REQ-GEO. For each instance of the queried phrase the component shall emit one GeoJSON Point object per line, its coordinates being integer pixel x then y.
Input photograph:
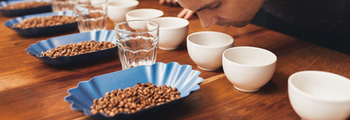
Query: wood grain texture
{"type": "Point", "coordinates": [32, 89]}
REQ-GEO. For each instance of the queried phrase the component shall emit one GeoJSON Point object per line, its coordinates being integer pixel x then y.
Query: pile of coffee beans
{"type": "Point", "coordinates": [25, 5]}
{"type": "Point", "coordinates": [132, 99]}
{"type": "Point", "coordinates": [77, 48]}
{"type": "Point", "coordinates": [37, 22]}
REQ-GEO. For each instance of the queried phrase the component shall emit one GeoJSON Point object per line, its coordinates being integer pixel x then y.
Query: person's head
{"type": "Point", "coordinates": [236, 13]}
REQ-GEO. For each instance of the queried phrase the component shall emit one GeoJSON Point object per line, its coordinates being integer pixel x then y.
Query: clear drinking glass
{"type": "Point", "coordinates": [91, 14]}
{"type": "Point", "coordinates": [62, 5]}
{"type": "Point", "coordinates": [137, 42]}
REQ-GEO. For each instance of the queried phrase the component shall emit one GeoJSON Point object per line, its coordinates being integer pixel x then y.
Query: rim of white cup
{"type": "Point", "coordinates": [250, 47]}
{"type": "Point", "coordinates": [186, 22]}
{"type": "Point", "coordinates": [133, 3]}
{"type": "Point", "coordinates": [160, 13]}
{"type": "Point", "coordinates": [138, 32]}
{"type": "Point", "coordinates": [205, 32]}
{"type": "Point", "coordinates": [290, 84]}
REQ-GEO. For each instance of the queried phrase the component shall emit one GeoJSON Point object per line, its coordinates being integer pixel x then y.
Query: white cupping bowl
{"type": "Point", "coordinates": [248, 68]}
{"type": "Point", "coordinates": [117, 9]}
{"type": "Point", "coordinates": [319, 95]}
{"type": "Point", "coordinates": [143, 14]}
{"type": "Point", "coordinates": [172, 31]}
{"type": "Point", "coordinates": [206, 47]}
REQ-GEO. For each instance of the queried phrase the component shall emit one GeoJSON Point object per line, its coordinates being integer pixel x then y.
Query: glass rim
{"type": "Point", "coordinates": [138, 32]}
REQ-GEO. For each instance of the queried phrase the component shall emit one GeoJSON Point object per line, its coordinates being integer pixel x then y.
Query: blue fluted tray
{"type": "Point", "coordinates": [21, 12]}
{"type": "Point", "coordinates": [41, 31]}
{"type": "Point", "coordinates": [172, 74]}
{"type": "Point", "coordinates": [44, 45]}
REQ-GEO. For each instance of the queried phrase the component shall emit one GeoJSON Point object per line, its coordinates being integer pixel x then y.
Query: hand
{"type": "Point", "coordinates": [169, 2]}
{"type": "Point", "coordinates": [186, 14]}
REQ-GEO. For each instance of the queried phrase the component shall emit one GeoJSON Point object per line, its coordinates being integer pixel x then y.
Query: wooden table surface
{"type": "Point", "coordinates": [32, 89]}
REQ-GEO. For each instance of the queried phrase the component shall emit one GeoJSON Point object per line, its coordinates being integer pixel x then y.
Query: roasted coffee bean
{"type": "Point", "coordinates": [133, 99]}
{"type": "Point", "coordinates": [77, 48]}
{"type": "Point", "coordinates": [25, 5]}
{"type": "Point", "coordinates": [37, 22]}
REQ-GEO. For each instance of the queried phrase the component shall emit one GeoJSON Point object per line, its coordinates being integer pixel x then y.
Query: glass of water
{"type": "Point", "coordinates": [137, 42]}
{"type": "Point", "coordinates": [91, 14]}
{"type": "Point", "coordinates": [62, 5]}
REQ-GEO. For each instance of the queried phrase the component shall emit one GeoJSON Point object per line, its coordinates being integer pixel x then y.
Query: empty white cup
{"type": "Point", "coordinates": [118, 8]}
{"type": "Point", "coordinates": [143, 14]}
{"type": "Point", "coordinates": [172, 32]}
{"type": "Point", "coordinates": [319, 95]}
{"type": "Point", "coordinates": [248, 68]}
{"type": "Point", "coordinates": [206, 47]}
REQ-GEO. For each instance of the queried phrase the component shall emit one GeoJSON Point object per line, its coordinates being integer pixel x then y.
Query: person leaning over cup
{"type": "Point", "coordinates": [321, 22]}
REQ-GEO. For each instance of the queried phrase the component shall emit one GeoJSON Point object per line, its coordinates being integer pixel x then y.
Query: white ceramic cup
{"type": "Point", "coordinates": [172, 32]}
{"type": "Point", "coordinates": [319, 95]}
{"type": "Point", "coordinates": [118, 9]}
{"type": "Point", "coordinates": [248, 68]}
{"type": "Point", "coordinates": [143, 14]}
{"type": "Point", "coordinates": [206, 47]}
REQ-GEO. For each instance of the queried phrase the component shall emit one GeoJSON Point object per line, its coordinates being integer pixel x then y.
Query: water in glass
{"type": "Point", "coordinates": [137, 51]}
